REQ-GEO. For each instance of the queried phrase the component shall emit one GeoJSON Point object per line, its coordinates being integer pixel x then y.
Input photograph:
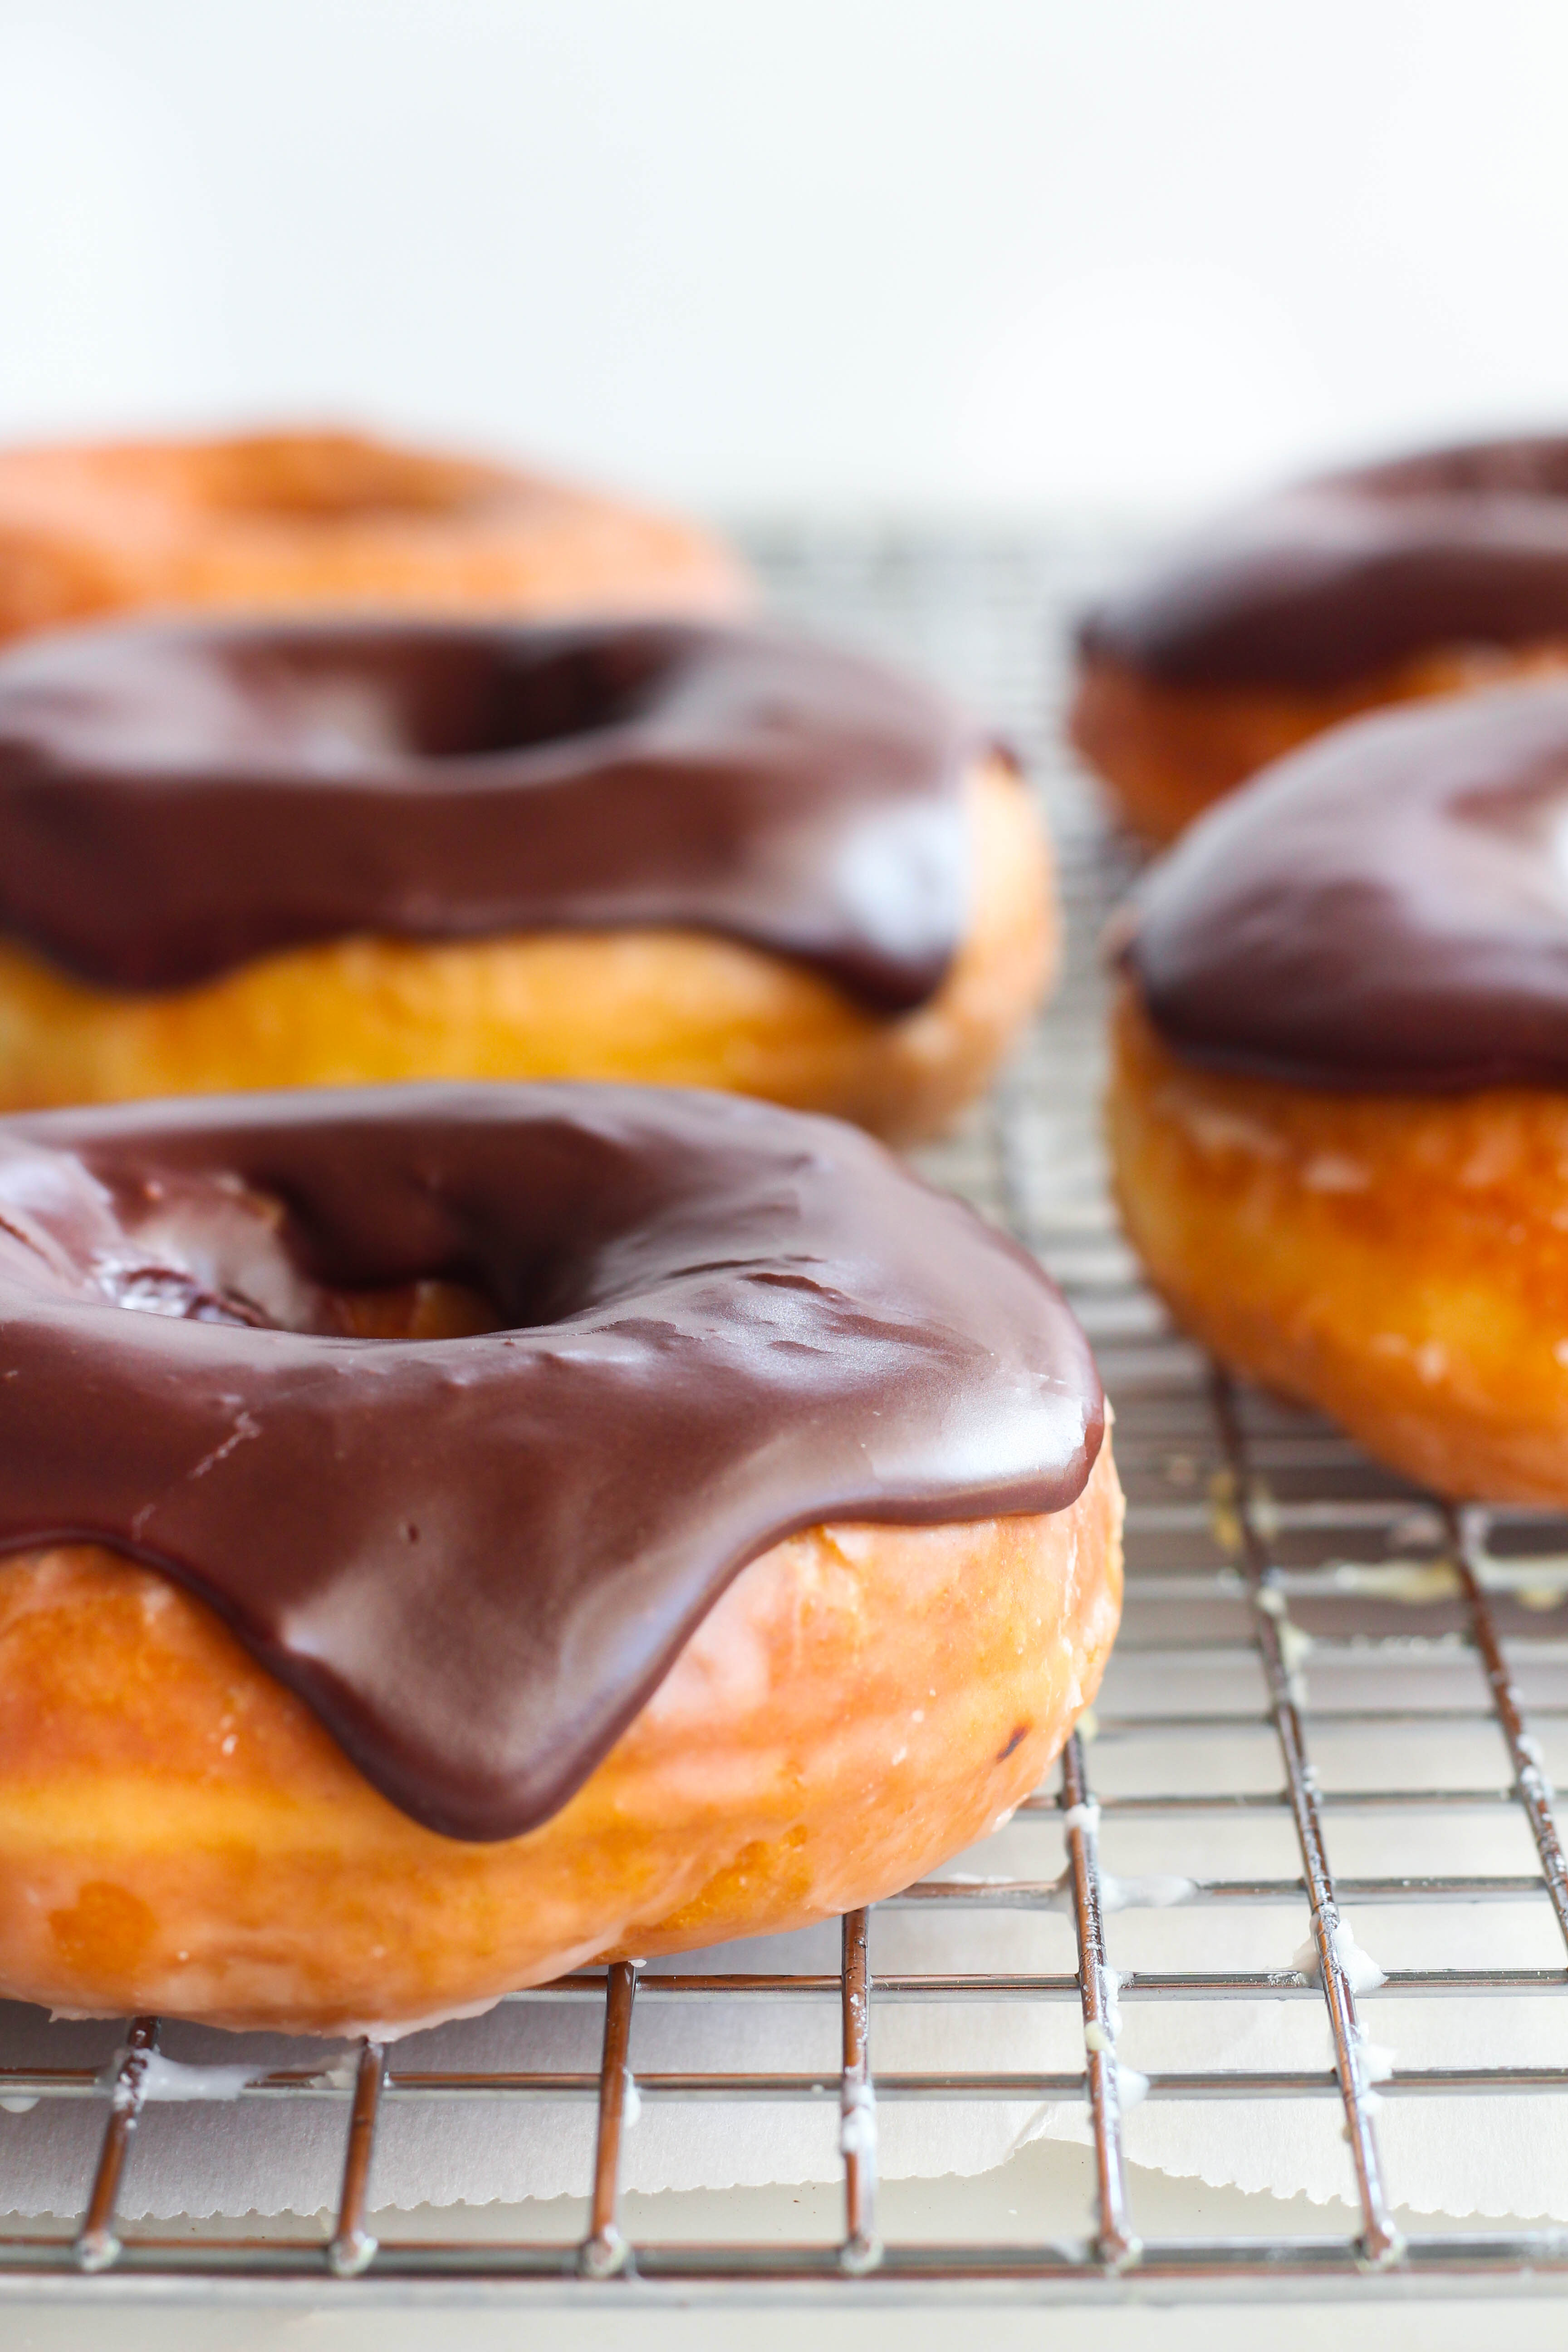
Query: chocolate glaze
{"type": "Point", "coordinates": [1387, 909]}
{"type": "Point", "coordinates": [176, 798]}
{"type": "Point", "coordinates": [1342, 578]}
{"type": "Point", "coordinates": [474, 1559]}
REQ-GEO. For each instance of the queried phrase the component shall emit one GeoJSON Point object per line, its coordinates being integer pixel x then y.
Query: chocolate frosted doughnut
{"type": "Point", "coordinates": [1340, 1109]}
{"type": "Point", "coordinates": [475, 1559]}
{"type": "Point", "coordinates": [332, 522]}
{"type": "Point", "coordinates": [220, 819]}
{"type": "Point", "coordinates": [1385, 910]}
{"type": "Point", "coordinates": [1374, 585]}
{"type": "Point", "coordinates": [176, 799]}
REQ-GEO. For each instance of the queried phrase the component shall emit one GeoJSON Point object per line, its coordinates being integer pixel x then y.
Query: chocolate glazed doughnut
{"type": "Point", "coordinates": [247, 855]}
{"type": "Point", "coordinates": [1428, 575]}
{"type": "Point", "coordinates": [1340, 1108]}
{"type": "Point", "coordinates": [295, 522]}
{"type": "Point", "coordinates": [510, 1525]}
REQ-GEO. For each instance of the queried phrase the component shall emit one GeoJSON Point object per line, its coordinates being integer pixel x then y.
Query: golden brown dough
{"type": "Point", "coordinates": [292, 521]}
{"type": "Point", "coordinates": [1399, 1262]}
{"type": "Point", "coordinates": [178, 1833]}
{"type": "Point", "coordinates": [1168, 750]}
{"type": "Point", "coordinates": [675, 1008]}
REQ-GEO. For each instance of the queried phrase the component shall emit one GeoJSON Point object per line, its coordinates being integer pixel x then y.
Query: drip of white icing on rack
{"type": "Point", "coordinates": [160, 2080]}
{"type": "Point", "coordinates": [1157, 1891]}
{"type": "Point", "coordinates": [858, 2120]}
{"type": "Point", "coordinates": [1359, 1968]}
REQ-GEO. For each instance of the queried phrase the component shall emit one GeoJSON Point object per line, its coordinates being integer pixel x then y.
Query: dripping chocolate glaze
{"type": "Point", "coordinates": [1342, 578]}
{"type": "Point", "coordinates": [1387, 909]}
{"type": "Point", "coordinates": [176, 798]}
{"type": "Point", "coordinates": [474, 1559]}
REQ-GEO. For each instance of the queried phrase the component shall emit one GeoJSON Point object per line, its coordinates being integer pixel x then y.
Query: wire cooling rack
{"type": "Point", "coordinates": [1339, 1612]}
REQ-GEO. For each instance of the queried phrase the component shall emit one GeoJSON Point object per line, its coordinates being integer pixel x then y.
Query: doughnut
{"type": "Point", "coordinates": [335, 521]}
{"type": "Point", "coordinates": [1339, 1102]}
{"type": "Point", "coordinates": [454, 1534]}
{"type": "Point", "coordinates": [241, 855]}
{"type": "Point", "coordinates": [1433, 574]}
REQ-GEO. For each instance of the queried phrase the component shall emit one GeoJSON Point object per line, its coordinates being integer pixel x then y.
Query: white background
{"type": "Point", "coordinates": [927, 254]}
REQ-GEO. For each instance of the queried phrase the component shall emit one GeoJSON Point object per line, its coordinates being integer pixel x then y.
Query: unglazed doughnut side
{"type": "Point", "coordinates": [1400, 1262]}
{"type": "Point", "coordinates": [178, 1833]}
{"type": "Point", "coordinates": [660, 1007]}
{"type": "Point", "coordinates": [1168, 750]}
{"type": "Point", "coordinates": [295, 521]}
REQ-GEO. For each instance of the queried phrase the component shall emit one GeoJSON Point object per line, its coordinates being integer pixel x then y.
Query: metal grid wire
{"type": "Point", "coordinates": [1258, 1542]}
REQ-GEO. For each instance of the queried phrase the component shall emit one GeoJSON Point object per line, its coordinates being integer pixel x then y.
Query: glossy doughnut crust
{"type": "Point", "coordinates": [178, 1833]}
{"type": "Point", "coordinates": [291, 521]}
{"type": "Point", "coordinates": [1400, 1262]}
{"type": "Point", "coordinates": [1432, 575]}
{"type": "Point", "coordinates": [662, 1007]}
{"type": "Point", "coordinates": [1169, 750]}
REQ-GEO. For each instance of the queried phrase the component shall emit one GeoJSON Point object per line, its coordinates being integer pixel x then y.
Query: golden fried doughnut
{"type": "Point", "coordinates": [1433, 574]}
{"type": "Point", "coordinates": [261, 856]}
{"type": "Point", "coordinates": [288, 521]}
{"type": "Point", "coordinates": [1339, 1105]}
{"type": "Point", "coordinates": [499, 1702]}
{"type": "Point", "coordinates": [666, 1008]}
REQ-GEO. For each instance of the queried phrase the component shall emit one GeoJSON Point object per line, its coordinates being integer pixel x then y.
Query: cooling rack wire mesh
{"type": "Point", "coordinates": [1338, 1612]}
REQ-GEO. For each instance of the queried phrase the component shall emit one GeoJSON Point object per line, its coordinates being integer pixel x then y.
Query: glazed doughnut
{"type": "Point", "coordinates": [333, 522]}
{"type": "Point", "coordinates": [247, 855]}
{"type": "Point", "coordinates": [1433, 574]}
{"type": "Point", "coordinates": [1339, 1105]}
{"type": "Point", "coordinates": [735, 1540]}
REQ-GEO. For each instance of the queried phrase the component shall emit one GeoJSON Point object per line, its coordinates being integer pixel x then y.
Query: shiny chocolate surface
{"type": "Point", "coordinates": [1386, 908]}
{"type": "Point", "coordinates": [715, 1323]}
{"type": "Point", "coordinates": [1338, 580]}
{"type": "Point", "coordinates": [177, 798]}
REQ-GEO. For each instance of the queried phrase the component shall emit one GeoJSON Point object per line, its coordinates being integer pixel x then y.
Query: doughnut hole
{"type": "Point", "coordinates": [221, 1253]}
{"type": "Point", "coordinates": [1399, 1262]}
